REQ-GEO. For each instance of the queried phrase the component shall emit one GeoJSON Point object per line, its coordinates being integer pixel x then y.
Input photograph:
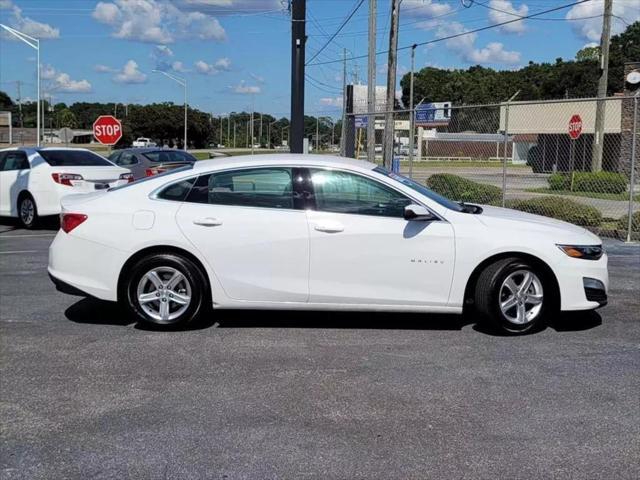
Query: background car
{"type": "Point", "coordinates": [142, 142]}
{"type": "Point", "coordinates": [33, 180]}
{"type": "Point", "coordinates": [146, 162]}
{"type": "Point", "coordinates": [318, 233]}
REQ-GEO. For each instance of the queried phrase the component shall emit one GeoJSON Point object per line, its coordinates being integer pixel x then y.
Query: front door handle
{"type": "Point", "coordinates": [329, 227]}
{"type": "Point", "coordinates": [207, 222]}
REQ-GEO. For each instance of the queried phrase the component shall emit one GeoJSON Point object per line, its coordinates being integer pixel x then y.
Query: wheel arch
{"type": "Point", "coordinates": [536, 261]}
{"type": "Point", "coordinates": [160, 249]}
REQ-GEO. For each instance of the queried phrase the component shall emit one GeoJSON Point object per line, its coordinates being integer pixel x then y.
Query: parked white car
{"type": "Point", "coordinates": [33, 180]}
{"type": "Point", "coordinates": [316, 232]}
{"type": "Point", "coordinates": [142, 142]}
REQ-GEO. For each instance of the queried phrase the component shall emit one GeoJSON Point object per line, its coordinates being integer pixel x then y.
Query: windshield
{"type": "Point", "coordinates": [439, 199]}
{"type": "Point", "coordinates": [74, 158]}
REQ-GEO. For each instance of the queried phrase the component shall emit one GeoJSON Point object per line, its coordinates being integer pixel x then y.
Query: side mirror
{"type": "Point", "coordinates": [418, 212]}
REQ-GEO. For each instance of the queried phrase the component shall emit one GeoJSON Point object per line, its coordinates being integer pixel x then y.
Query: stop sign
{"type": "Point", "coordinates": [575, 126]}
{"type": "Point", "coordinates": [107, 129]}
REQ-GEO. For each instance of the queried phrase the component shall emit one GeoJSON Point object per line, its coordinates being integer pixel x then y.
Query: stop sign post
{"type": "Point", "coordinates": [107, 130]}
{"type": "Point", "coordinates": [575, 130]}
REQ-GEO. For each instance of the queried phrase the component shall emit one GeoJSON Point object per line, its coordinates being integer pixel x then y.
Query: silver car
{"type": "Point", "coordinates": [146, 162]}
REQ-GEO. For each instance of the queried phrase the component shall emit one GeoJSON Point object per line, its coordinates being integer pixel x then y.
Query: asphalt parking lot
{"type": "Point", "coordinates": [86, 393]}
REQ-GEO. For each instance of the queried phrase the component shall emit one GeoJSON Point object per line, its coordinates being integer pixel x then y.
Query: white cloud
{"type": "Point", "coordinates": [162, 51]}
{"type": "Point", "coordinates": [220, 65]}
{"type": "Point", "coordinates": [27, 25]}
{"type": "Point", "coordinates": [61, 82]}
{"type": "Point", "coordinates": [99, 68]}
{"type": "Point", "coordinates": [64, 83]}
{"type": "Point", "coordinates": [504, 12]}
{"type": "Point", "coordinates": [156, 21]}
{"type": "Point", "coordinates": [331, 101]}
{"type": "Point", "coordinates": [222, 7]}
{"type": "Point", "coordinates": [179, 67]}
{"type": "Point", "coordinates": [590, 29]}
{"type": "Point", "coordinates": [424, 8]}
{"type": "Point", "coordinates": [244, 89]}
{"type": "Point", "coordinates": [465, 46]}
{"type": "Point", "coordinates": [130, 74]}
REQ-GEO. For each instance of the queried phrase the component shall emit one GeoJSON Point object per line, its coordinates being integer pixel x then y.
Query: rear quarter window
{"type": "Point", "coordinates": [74, 158]}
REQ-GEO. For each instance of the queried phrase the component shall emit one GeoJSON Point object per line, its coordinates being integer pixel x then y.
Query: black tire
{"type": "Point", "coordinates": [489, 289]}
{"type": "Point", "coordinates": [28, 211]}
{"type": "Point", "coordinates": [196, 290]}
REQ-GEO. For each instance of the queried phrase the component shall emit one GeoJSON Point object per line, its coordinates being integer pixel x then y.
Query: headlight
{"type": "Point", "coordinates": [586, 252]}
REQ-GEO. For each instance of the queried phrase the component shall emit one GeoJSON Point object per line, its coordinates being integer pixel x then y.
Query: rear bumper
{"type": "Point", "coordinates": [67, 288]}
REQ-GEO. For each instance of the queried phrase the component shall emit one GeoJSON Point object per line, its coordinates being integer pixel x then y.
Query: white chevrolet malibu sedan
{"type": "Point", "coordinates": [318, 233]}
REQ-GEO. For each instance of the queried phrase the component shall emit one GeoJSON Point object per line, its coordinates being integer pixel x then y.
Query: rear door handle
{"type": "Point", "coordinates": [329, 227]}
{"type": "Point", "coordinates": [207, 222]}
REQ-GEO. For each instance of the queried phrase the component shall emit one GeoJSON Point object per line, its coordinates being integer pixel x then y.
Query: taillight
{"type": "Point", "coordinates": [69, 221]}
{"type": "Point", "coordinates": [65, 178]}
{"type": "Point", "coordinates": [127, 176]}
{"type": "Point", "coordinates": [150, 172]}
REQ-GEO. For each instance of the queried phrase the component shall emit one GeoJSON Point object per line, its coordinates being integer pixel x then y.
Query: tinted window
{"type": "Point", "coordinates": [177, 191]}
{"type": "Point", "coordinates": [127, 159]}
{"type": "Point", "coordinates": [167, 156]}
{"type": "Point", "coordinates": [258, 187]}
{"type": "Point", "coordinates": [73, 158]}
{"type": "Point", "coordinates": [344, 192]}
{"type": "Point", "coordinates": [14, 161]}
{"type": "Point", "coordinates": [445, 202]}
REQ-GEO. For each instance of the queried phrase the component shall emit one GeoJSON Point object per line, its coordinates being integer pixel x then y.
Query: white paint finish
{"type": "Point", "coordinates": [143, 219]}
{"type": "Point", "coordinates": [379, 260]}
{"type": "Point", "coordinates": [276, 258]}
{"type": "Point", "coordinates": [258, 254]}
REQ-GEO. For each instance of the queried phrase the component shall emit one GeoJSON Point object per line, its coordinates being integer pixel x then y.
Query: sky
{"type": "Point", "coordinates": [235, 54]}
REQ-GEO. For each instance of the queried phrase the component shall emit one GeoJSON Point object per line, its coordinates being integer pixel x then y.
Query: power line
{"type": "Point", "coordinates": [449, 37]}
{"type": "Point", "coordinates": [346, 20]}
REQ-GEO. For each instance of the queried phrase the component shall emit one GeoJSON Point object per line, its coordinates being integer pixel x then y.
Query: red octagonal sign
{"type": "Point", "coordinates": [107, 129]}
{"type": "Point", "coordinates": [575, 126]}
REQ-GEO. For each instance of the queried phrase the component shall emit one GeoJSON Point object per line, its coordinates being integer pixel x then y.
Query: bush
{"type": "Point", "coordinates": [595, 182]}
{"type": "Point", "coordinates": [623, 223]}
{"type": "Point", "coordinates": [561, 208]}
{"type": "Point", "coordinates": [559, 181]}
{"type": "Point", "coordinates": [460, 189]}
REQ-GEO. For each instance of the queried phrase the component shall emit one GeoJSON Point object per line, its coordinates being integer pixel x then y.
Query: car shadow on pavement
{"type": "Point", "coordinates": [51, 223]}
{"type": "Point", "coordinates": [98, 312]}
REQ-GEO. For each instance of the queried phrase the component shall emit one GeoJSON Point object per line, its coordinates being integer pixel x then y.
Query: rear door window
{"type": "Point", "coordinates": [254, 187]}
{"type": "Point", "coordinates": [15, 160]}
{"type": "Point", "coordinates": [74, 158]}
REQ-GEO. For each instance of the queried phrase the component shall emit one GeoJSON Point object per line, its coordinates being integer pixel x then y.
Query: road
{"type": "Point", "coordinates": [88, 394]}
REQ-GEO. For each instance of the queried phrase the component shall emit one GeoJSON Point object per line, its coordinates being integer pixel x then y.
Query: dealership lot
{"type": "Point", "coordinates": [86, 393]}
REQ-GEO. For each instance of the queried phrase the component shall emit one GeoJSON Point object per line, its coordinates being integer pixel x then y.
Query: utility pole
{"type": "Point", "coordinates": [391, 85]}
{"type": "Point", "coordinates": [371, 84]}
{"type": "Point", "coordinates": [344, 102]}
{"type": "Point", "coordinates": [221, 130]}
{"type": "Point", "coordinates": [411, 112]}
{"type": "Point", "coordinates": [19, 84]}
{"type": "Point", "coordinates": [298, 40]}
{"type": "Point", "coordinates": [228, 130]}
{"type": "Point", "coordinates": [260, 136]}
{"type": "Point", "coordinates": [234, 134]}
{"type": "Point", "coordinates": [317, 134]}
{"type": "Point", "coordinates": [598, 137]}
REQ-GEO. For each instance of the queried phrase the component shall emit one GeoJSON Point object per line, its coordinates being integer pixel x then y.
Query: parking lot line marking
{"type": "Point", "coordinates": [19, 251]}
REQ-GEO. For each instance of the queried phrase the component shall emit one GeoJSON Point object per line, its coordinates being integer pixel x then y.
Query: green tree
{"type": "Point", "coordinates": [67, 119]}
{"type": "Point", "coordinates": [588, 53]}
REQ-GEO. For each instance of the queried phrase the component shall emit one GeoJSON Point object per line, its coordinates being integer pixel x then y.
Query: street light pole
{"type": "Point", "coordinates": [35, 44]}
{"type": "Point", "coordinates": [183, 82]}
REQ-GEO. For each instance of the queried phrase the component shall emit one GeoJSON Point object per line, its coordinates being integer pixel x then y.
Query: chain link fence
{"type": "Point", "coordinates": [540, 157]}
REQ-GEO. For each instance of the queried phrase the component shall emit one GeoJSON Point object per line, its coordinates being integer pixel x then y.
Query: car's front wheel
{"type": "Point", "coordinates": [166, 290]}
{"type": "Point", "coordinates": [514, 296]}
{"type": "Point", "coordinates": [27, 211]}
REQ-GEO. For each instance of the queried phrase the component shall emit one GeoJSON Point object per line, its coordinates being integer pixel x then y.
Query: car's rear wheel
{"type": "Point", "coordinates": [166, 290]}
{"type": "Point", "coordinates": [27, 211]}
{"type": "Point", "coordinates": [514, 296]}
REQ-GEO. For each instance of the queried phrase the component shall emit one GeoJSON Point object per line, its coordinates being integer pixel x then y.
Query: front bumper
{"type": "Point", "coordinates": [576, 293]}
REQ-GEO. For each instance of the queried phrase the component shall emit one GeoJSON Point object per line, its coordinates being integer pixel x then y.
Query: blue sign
{"type": "Point", "coordinates": [362, 121]}
{"type": "Point", "coordinates": [433, 114]}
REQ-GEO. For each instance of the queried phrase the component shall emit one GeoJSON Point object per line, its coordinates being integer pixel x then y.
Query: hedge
{"type": "Point", "coordinates": [623, 222]}
{"type": "Point", "coordinates": [596, 182]}
{"type": "Point", "coordinates": [461, 189]}
{"type": "Point", "coordinates": [561, 208]}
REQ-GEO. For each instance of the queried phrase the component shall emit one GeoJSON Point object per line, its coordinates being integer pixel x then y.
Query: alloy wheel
{"type": "Point", "coordinates": [164, 294]}
{"type": "Point", "coordinates": [521, 297]}
{"type": "Point", "coordinates": [27, 211]}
